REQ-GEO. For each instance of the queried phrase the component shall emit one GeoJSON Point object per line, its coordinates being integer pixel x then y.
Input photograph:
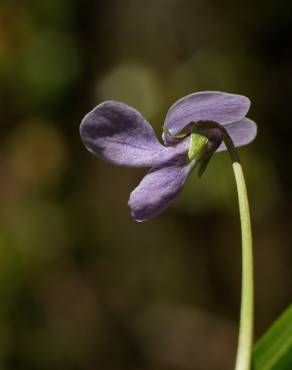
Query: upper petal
{"type": "Point", "coordinates": [159, 187]}
{"type": "Point", "coordinates": [216, 106]}
{"type": "Point", "coordinates": [241, 132]}
{"type": "Point", "coordinates": [119, 134]}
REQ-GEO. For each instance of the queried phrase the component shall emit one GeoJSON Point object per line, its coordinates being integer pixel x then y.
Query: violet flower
{"type": "Point", "coordinates": [119, 134]}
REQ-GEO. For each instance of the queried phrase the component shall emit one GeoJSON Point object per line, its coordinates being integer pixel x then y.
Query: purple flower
{"type": "Point", "coordinates": [119, 134]}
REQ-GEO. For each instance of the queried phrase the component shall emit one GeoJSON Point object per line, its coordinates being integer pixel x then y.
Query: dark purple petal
{"type": "Point", "coordinates": [241, 133]}
{"type": "Point", "coordinates": [119, 134]}
{"type": "Point", "coordinates": [159, 187]}
{"type": "Point", "coordinates": [215, 106]}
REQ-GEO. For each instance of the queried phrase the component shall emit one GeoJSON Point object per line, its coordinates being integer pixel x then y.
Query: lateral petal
{"type": "Point", "coordinates": [119, 134]}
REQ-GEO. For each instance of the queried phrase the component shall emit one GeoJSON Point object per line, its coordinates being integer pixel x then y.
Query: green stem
{"type": "Point", "coordinates": [244, 349]}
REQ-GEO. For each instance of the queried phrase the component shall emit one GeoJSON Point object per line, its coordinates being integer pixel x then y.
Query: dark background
{"type": "Point", "coordinates": [82, 286]}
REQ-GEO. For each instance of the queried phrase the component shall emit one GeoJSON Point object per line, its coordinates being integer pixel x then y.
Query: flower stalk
{"type": "Point", "coordinates": [244, 349]}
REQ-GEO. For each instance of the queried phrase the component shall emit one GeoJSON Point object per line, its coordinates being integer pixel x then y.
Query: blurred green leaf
{"type": "Point", "coordinates": [274, 350]}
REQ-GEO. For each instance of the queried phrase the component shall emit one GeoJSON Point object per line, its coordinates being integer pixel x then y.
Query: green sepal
{"type": "Point", "coordinates": [202, 165]}
{"type": "Point", "coordinates": [197, 145]}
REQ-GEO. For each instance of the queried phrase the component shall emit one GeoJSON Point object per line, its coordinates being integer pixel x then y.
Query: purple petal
{"type": "Point", "coordinates": [215, 106]}
{"type": "Point", "coordinates": [159, 187]}
{"type": "Point", "coordinates": [119, 134]}
{"type": "Point", "coordinates": [241, 133]}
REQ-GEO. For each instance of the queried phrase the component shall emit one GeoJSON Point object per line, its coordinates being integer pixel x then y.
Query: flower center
{"type": "Point", "coordinates": [205, 138]}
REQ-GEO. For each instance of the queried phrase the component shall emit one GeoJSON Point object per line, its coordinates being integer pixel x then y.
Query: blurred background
{"type": "Point", "coordinates": [82, 286]}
